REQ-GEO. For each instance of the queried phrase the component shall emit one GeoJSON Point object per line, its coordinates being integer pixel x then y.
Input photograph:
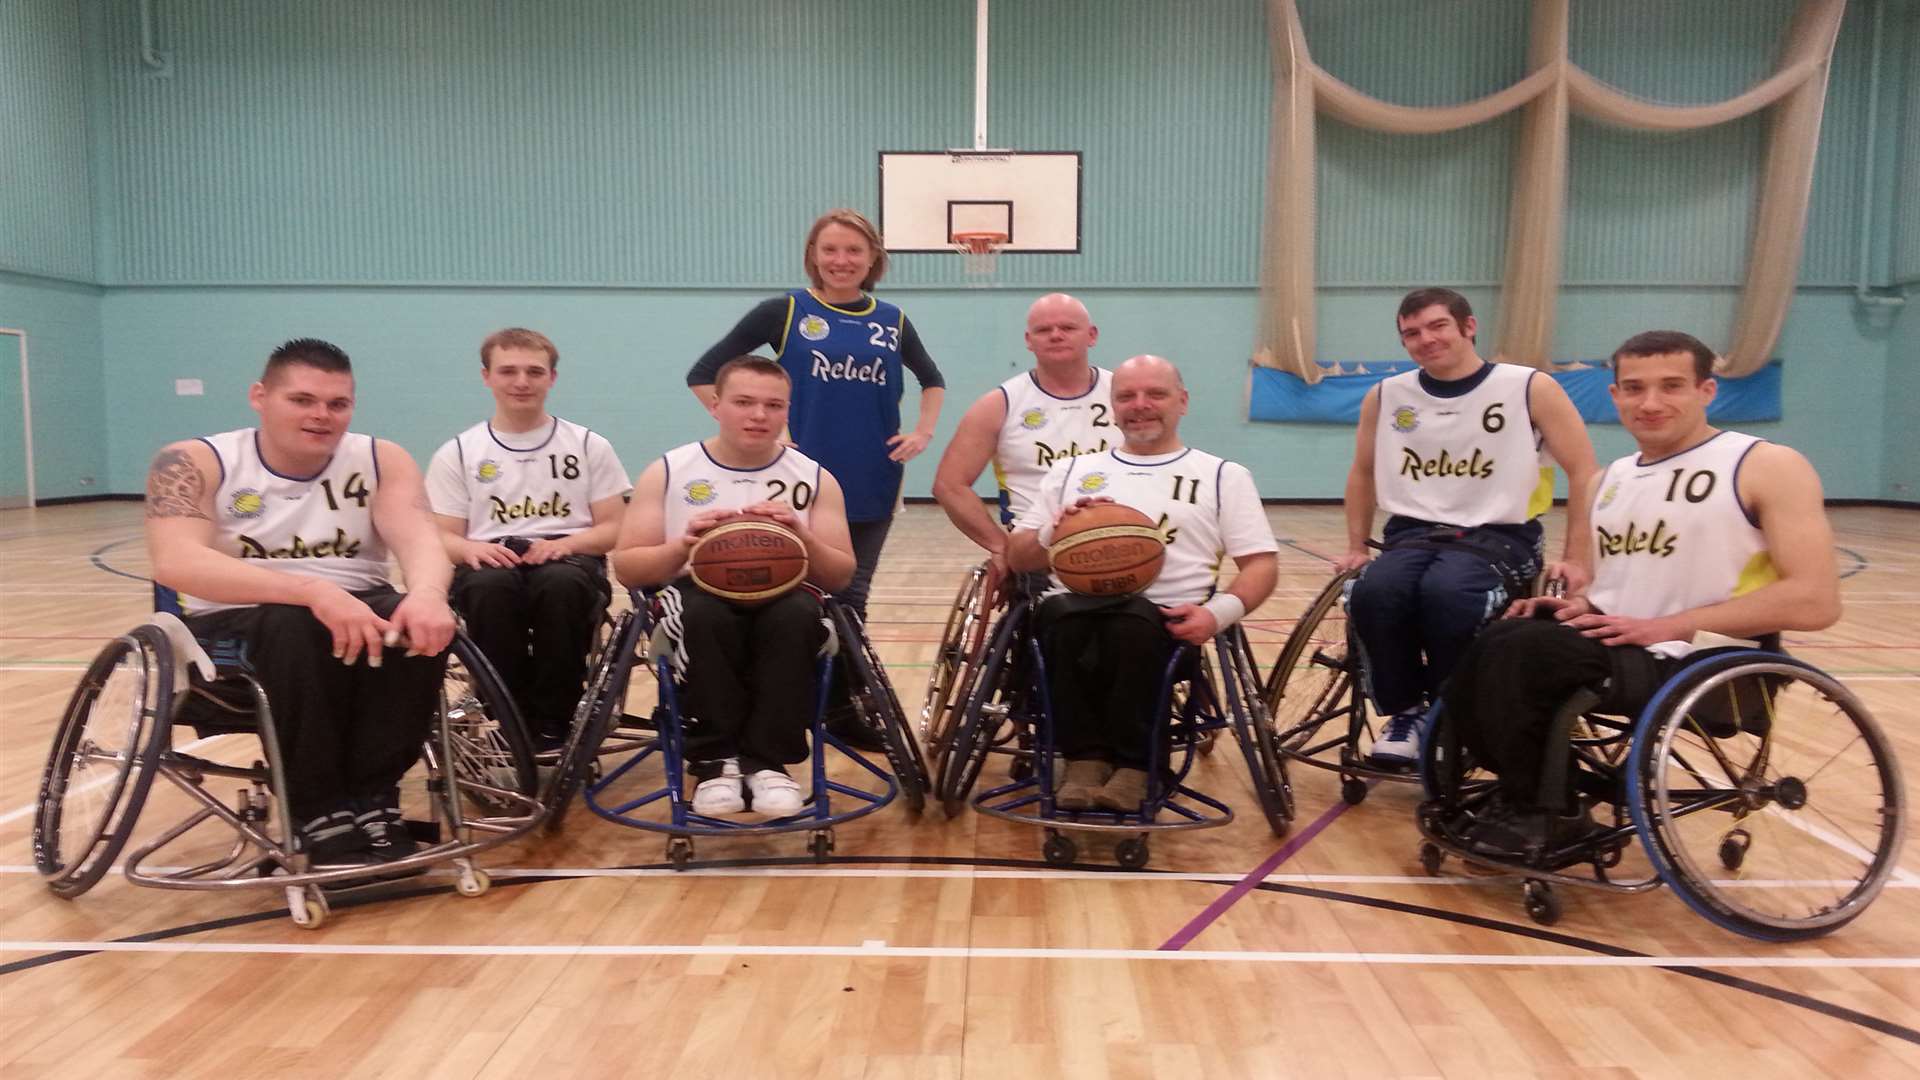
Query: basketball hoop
{"type": "Point", "coordinates": [981, 250]}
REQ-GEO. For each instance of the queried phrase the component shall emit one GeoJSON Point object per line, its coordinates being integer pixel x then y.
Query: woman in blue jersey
{"type": "Point", "coordinates": [845, 351]}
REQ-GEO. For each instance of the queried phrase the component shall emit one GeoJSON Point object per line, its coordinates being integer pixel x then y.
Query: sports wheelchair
{"type": "Point", "coordinates": [619, 796]}
{"type": "Point", "coordinates": [1760, 790]}
{"type": "Point", "coordinates": [116, 737]}
{"type": "Point", "coordinates": [1319, 678]}
{"type": "Point", "coordinates": [1203, 691]}
{"type": "Point", "coordinates": [956, 661]}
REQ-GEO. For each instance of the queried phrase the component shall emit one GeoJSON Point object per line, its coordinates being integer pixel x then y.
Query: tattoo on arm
{"type": "Point", "coordinates": [174, 487]}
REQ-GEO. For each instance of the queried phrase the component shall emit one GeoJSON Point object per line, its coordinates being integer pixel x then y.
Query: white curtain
{"type": "Point", "coordinates": [1552, 90]}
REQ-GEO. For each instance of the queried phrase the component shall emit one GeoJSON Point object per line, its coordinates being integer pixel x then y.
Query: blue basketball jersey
{"type": "Point", "coordinates": [846, 372]}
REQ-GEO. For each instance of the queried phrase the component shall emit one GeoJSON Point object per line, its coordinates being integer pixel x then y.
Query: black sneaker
{"type": "Point", "coordinates": [334, 839]}
{"type": "Point", "coordinates": [388, 836]}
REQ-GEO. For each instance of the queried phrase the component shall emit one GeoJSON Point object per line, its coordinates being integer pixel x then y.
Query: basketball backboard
{"type": "Point", "coordinates": [1031, 197]}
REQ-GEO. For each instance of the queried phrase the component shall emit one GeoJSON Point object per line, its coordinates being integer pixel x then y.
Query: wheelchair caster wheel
{"type": "Point", "coordinates": [473, 882]}
{"type": "Point", "coordinates": [1207, 743]}
{"type": "Point", "coordinates": [308, 907]}
{"type": "Point", "coordinates": [1021, 768]}
{"type": "Point", "coordinates": [1543, 906]}
{"type": "Point", "coordinates": [953, 807]}
{"type": "Point", "coordinates": [820, 845]}
{"type": "Point", "coordinates": [1058, 850]}
{"type": "Point", "coordinates": [1431, 858]}
{"type": "Point", "coordinates": [679, 852]}
{"type": "Point", "coordinates": [1733, 848]}
{"type": "Point", "coordinates": [1131, 854]}
{"type": "Point", "coordinates": [1353, 791]}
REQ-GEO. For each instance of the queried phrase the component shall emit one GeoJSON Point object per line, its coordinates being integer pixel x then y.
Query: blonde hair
{"type": "Point", "coordinates": [855, 220]}
{"type": "Point", "coordinates": [518, 337]}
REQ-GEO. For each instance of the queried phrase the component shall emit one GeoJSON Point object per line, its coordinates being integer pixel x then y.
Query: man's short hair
{"type": "Point", "coordinates": [1661, 343]}
{"type": "Point", "coordinates": [518, 337]}
{"type": "Point", "coordinates": [308, 352]}
{"type": "Point", "coordinates": [756, 365]}
{"type": "Point", "coordinates": [855, 220]}
{"type": "Point", "coordinates": [1420, 300]}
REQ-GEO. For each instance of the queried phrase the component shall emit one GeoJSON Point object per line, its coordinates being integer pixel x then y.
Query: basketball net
{"type": "Point", "coordinates": [979, 252]}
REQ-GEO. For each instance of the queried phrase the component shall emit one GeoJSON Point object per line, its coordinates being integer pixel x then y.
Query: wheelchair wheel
{"type": "Point", "coordinates": [1253, 729]}
{"type": "Point", "coordinates": [873, 697]}
{"type": "Point", "coordinates": [1314, 671]}
{"type": "Point", "coordinates": [486, 740]}
{"type": "Point", "coordinates": [599, 706]}
{"type": "Point", "coordinates": [1766, 796]}
{"type": "Point", "coordinates": [992, 702]}
{"type": "Point", "coordinates": [105, 755]}
{"type": "Point", "coordinates": [950, 662]}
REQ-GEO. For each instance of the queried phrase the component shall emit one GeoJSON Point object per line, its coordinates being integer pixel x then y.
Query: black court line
{"type": "Point", "coordinates": [98, 558]}
{"type": "Point", "coordinates": [1295, 545]}
{"type": "Point", "coordinates": [1859, 561]}
{"type": "Point", "coordinates": [1536, 933]}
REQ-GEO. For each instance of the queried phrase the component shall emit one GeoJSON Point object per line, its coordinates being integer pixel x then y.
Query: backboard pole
{"type": "Point", "coordinates": [980, 74]}
{"type": "Point", "coordinates": [26, 410]}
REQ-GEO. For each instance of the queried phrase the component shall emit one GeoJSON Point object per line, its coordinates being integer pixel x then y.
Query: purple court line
{"type": "Point", "coordinates": [1246, 884]}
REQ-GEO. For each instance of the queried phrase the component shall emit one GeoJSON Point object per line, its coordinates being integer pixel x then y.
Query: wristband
{"type": "Point", "coordinates": [1226, 608]}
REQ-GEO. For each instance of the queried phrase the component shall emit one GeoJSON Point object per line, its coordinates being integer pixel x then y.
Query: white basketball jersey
{"type": "Point", "coordinates": [545, 487]}
{"type": "Point", "coordinates": [696, 484]}
{"type": "Point", "coordinates": [1468, 460]}
{"type": "Point", "coordinates": [317, 526]}
{"type": "Point", "coordinates": [1672, 534]}
{"type": "Point", "coordinates": [1040, 429]}
{"type": "Point", "coordinates": [1207, 509]}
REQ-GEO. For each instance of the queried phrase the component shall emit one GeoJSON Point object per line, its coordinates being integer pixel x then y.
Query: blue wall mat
{"type": "Point", "coordinates": [1285, 397]}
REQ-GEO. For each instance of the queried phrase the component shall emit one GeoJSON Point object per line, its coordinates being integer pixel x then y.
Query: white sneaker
{"type": "Point", "coordinates": [722, 794]}
{"type": "Point", "coordinates": [1399, 743]}
{"type": "Point", "coordinates": [775, 794]}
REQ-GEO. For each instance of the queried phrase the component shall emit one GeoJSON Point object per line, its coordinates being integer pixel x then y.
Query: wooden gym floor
{"type": "Point", "coordinates": [933, 947]}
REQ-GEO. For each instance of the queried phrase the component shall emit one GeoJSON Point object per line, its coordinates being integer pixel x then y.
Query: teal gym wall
{"type": "Point", "coordinates": [629, 178]}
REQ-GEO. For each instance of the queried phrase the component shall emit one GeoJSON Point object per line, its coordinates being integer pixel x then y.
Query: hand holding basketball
{"type": "Point", "coordinates": [1101, 548]}
{"type": "Point", "coordinates": [749, 560]}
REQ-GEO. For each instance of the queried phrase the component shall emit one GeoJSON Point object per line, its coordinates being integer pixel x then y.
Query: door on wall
{"type": "Point", "coordinates": [14, 484]}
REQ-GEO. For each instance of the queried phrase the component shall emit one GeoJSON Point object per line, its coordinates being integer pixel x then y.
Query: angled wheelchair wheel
{"type": "Point", "coordinates": [874, 698]}
{"type": "Point", "coordinates": [993, 703]}
{"type": "Point", "coordinates": [600, 706]}
{"type": "Point", "coordinates": [1253, 728]}
{"type": "Point", "coordinates": [1314, 673]}
{"type": "Point", "coordinates": [105, 755]}
{"type": "Point", "coordinates": [488, 744]}
{"type": "Point", "coordinates": [1768, 756]}
{"type": "Point", "coordinates": [958, 640]}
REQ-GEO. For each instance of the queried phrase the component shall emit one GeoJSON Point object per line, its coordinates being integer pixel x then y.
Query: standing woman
{"type": "Point", "coordinates": [844, 351]}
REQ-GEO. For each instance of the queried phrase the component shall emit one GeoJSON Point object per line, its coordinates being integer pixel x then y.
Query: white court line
{"type": "Point", "coordinates": [15, 815]}
{"type": "Point", "coordinates": [1009, 874]}
{"type": "Point", "coordinates": [52, 666]}
{"type": "Point", "coordinates": [873, 949]}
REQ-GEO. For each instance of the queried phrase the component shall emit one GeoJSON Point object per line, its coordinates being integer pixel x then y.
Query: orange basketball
{"type": "Point", "coordinates": [749, 561]}
{"type": "Point", "coordinates": [1107, 550]}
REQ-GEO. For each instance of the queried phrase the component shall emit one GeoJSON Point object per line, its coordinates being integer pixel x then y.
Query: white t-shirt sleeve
{"type": "Point", "coordinates": [1045, 507]}
{"type": "Point", "coordinates": [447, 481]}
{"type": "Point", "coordinates": [606, 477]}
{"type": "Point", "coordinates": [1243, 521]}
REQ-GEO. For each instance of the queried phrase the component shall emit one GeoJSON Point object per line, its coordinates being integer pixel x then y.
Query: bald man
{"type": "Point", "coordinates": [1106, 655]}
{"type": "Point", "coordinates": [1060, 409]}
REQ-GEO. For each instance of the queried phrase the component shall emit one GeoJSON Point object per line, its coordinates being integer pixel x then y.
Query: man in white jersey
{"type": "Point", "coordinates": [1452, 452]}
{"type": "Point", "coordinates": [278, 538]}
{"type": "Point", "coordinates": [1062, 408]}
{"type": "Point", "coordinates": [527, 505]}
{"type": "Point", "coordinates": [1702, 536]}
{"type": "Point", "coordinates": [748, 670]}
{"type": "Point", "coordinates": [1106, 655]}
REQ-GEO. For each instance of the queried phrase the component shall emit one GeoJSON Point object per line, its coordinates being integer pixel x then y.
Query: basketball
{"type": "Point", "coordinates": [749, 561]}
{"type": "Point", "coordinates": [1107, 550]}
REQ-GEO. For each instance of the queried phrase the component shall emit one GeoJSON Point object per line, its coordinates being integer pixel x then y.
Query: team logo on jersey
{"type": "Point", "coordinates": [700, 492]}
{"type": "Point", "coordinates": [1405, 419]}
{"type": "Point", "coordinates": [487, 472]}
{"type": "Point", "coordinates": [1092, 483]}
{"type": "Point", "coordinates": [1033, 419]}
{"type": "Point", "coordinates": [813, 328]}
{"type": "Point", "coordinates": [247, 503]}
{"type": "Point", "coordinates": [1606, 497]}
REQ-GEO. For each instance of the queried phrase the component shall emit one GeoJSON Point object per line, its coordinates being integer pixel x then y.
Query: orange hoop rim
{"type": "Point", "coordinates": [979, 243]}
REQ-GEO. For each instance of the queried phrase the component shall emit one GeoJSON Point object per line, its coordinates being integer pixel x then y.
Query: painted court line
{"type": "Point", "coordinates": [15, 815]}
{"type": "Point", "coordinates": [1246, 885]}
{"type": "Point", "coordinates": [869, 949]}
